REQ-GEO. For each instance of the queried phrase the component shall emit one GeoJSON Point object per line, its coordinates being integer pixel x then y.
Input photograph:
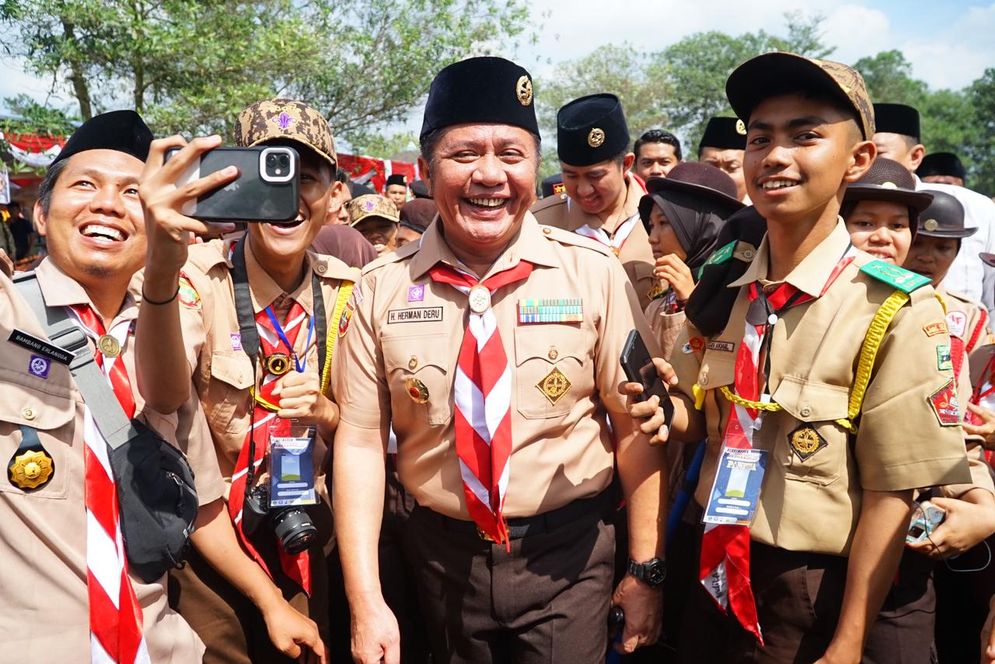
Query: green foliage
{"type": "Point", "coordinates": [981, 151]}
{"type": "Point", "coordinates": [35, 118]}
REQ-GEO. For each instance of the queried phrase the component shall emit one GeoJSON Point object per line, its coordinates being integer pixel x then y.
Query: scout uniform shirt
{"type": "Point", "coordinates": [222, 372]}
{"type": "Point", "coordinates": [635, 254]}
{"type": "Point", "coordinates": [908, 436]}
{"type": "Point", "coordinates": [562, 328]}
{"type": "Point", "coordinates": [43, 569]}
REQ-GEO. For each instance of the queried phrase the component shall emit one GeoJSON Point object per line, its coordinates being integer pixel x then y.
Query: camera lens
{"type": "Point", "coordinates": [271, 159]}
{"type": "Point", "coordinates": [294, 528]}
{"type": "Point", "coordinates": [285, 160]}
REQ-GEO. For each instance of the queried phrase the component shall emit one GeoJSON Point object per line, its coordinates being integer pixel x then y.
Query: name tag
{"type": "Point", "coordinates": [554, 310]}
{"type": "Point", "coordinates": [414, 315]}
{"type": "Point", "coordinates": [292, 469]}
{"type": "Point", "coordinates": [42, 347]}
{"type": "Point", "coordinates": [736, 489]}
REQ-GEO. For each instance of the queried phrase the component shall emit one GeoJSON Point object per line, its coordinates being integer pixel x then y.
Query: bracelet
{"type": "Point", "coordinates": [158, 303]}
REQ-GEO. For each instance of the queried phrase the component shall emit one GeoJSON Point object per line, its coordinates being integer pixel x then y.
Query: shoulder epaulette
{"type": "Point", "coordinates": [408, 250]}
{"type": "Point", "coordinates": [549, 202]}
{"type": "Point", "coordinates": [574, 239]}
{"type": "Point", "coordinates": [207, 255]}
{"type": "Point", "coordinates": [895, 276]}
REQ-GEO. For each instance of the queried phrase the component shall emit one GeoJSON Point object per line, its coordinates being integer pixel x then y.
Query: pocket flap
{"type": "Point", "coordinates": [25, 405]}
{"type": "Point", "coordinates": [413, 353]}
{"type": "Point", "coordinates": [810, 401]}
{"type": "Point", "coordinates": [232, 368]}
{"type": "Point", "coordinates": [550, 342]}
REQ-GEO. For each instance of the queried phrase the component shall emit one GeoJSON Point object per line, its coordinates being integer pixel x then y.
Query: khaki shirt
{"type": "Point", "coordinates": [222, 372]}
{"type": "Point", "coordinates": [562, 449]}
{"type": "Point", "coordinates": [635, 254]}
{"type": "Point", "coordinates": [45, 615]}
{"type": "Point", "coordinates": [814, 504]}
{"type": "Point", "coordinates": [666, 327]}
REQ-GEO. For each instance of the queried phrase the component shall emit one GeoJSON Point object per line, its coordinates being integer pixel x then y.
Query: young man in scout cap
{"type": "Point", "coordinates": [656, 153]}
{"type": "Point", "coordinates": [723, 146]}
{"type": "Point", "coordinates": [811, 464]}
{"type": "Point", "coordinates": [898, 137]}
{"type": "Point", "coordinates": [376, 217]}
{"type": "Point", "coordinates": [396, 190]}
{"type": "Point", "coordinates": [602, 196]}
{"type": "Point", "coordinates": [492, 349]}
{"type": "Point", "coordinates": [68, 595]}
{"type": "Point", "coordinates": [253, 323]}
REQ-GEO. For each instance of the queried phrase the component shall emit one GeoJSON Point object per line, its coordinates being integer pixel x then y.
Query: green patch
{"type": "Point", "coordinates": [722, 254]}
{"type": "Point", "coordinates": [943, 359]}
{"type": "Point", "coordinates": [899, 277]}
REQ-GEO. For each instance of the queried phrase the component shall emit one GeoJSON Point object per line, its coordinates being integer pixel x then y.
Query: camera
{"type": "Point", "coordinates": [291, 525]}
{"type": "Point", "coordinates": [926, 517]}
{"type": "Point", "coordinates": [277, 164]}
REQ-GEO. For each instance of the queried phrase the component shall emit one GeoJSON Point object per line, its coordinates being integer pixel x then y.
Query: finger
{"type": "Point", "coordinates": [630, 640]}
{"type": "Point", "coordinates": [206, 184]}
{"type": "Point", "coordinates": [293, 650]}
{"type": "Point", "coordinates": [157, 153]}
{"type": "Point", "coordinates": [630, 389]}
{"type": "Point", "coordinates": [392, 653]}
{"type": "Point", "coordinates": [665, 371]}
{"type": "Point", "coordinates": [190, 153]}
{"type": "Point", "coordinates": [178, 224]}
{"type": "Point", "coordinates": [945, 504]}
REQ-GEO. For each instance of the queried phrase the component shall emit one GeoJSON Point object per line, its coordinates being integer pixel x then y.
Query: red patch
{"type": "Point", "coordinates": [945, 405]}
{"type": "Point", "coordinates": [345, 318]}
{"type": "Point", "coordinates": [697, 343]}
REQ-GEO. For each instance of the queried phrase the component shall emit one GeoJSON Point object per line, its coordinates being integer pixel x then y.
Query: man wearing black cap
{"type": "Point", "coordinates": [723, 145]}
{"type": "Point", "coordinates": [942, 168]}
{"type": "Point", "coordinates": [602, 200]}
{"type": "Point", "coordinates": [396, 190]}
{"type": "Point", "coordinates": [898, 138]}
{"type": "Point", "coordinates": [68, 592]}
{"type": "Point", "coordinates": [492, 349]}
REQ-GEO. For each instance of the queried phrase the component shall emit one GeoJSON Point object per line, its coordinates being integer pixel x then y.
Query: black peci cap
{"type": "Point", "coordinates": [590, 130]}
{"type": "Point", "coordinates": [897, 119]}
{"type": "Point", "coordinates": [480, 90]}
{"type": "Point", "coordinates": [944, 217]}
{"type": "Point", "coordinates": [942, 163]}
{"type": "Point", "coordinates": [724, 134]}
{"type": "Point", "coordinates": [123, 131]}
{"type": "Point", "coordinates": [395, 178]}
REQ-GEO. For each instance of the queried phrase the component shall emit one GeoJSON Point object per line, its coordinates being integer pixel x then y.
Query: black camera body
{"type": "Point", "coordinates": [292, 525]}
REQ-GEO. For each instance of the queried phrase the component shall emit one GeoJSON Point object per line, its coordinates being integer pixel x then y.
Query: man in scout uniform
{"type": "Point", "coordinates": [68, 595]}
{"type": "Point", "coordinates": [396, 190]}
{"type": "Point", "coordinates": [723, 145]}
{"type": "Point", "coordinates": [942, 168]}
{"type": "Point", "coordinates": [254, 323]}
{"type": "Point", "coordinates": [898, 138]}
{"type": "Point", "coordinates": [656, 153]}
{"type": "Point", "coordinates": [819, 425]}
{"type": "Point", "coordinates": [602, 200]}
{"type": "Point", "coordinates": [377, 219]}
{"type": "Point", "coordinates": [492, 349]}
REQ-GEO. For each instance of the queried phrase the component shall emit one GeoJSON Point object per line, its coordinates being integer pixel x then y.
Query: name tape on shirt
{"type": "Point", "coordinates": [552, 310]}
{"type": "Point", "coordinates": [42, 347]}
{"type": "Point", "coordinates": [414, 315]}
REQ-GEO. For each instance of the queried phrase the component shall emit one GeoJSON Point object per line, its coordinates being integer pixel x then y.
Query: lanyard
{"type": "Point", "coordinates": [298, 364]}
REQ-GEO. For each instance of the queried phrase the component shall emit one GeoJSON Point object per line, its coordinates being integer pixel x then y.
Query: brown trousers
{"type": "Point", "coordinates": [546, 601]}
{"type": "Point", "coordinates": [902, 633]}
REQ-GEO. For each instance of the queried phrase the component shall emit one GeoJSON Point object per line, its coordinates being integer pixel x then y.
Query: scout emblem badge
{"type": "Point", "coordinates": [805, 441]}
{"type": "Point", "coordinates": [30, 466]}
{"type": "Point", "coordinates": [554, 385]}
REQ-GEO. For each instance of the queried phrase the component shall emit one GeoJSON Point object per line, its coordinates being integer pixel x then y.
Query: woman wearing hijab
{"type": "Point", "coordinates": [682, 214]}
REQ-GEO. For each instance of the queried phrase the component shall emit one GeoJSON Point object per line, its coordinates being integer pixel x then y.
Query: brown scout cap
{"type": "Point", "coordinates": [371, 205]}
{"type": "Point", "coordinates": [288, 119]}
{"type": "Point", "coordinates": [780, 73]}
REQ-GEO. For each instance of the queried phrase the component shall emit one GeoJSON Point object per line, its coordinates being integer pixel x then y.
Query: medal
{"type": "Point", "coordinates": [480, 299]}
{"type": "Point", "coordinates": [805, 441]}
{"type": "Point", "coordinates": [416, 390]}
{"type": "Point", "coordinates": [109, 346]}
{"type": "Point", "coordinates": [554, 386]}
{"type": "Point", "coordinates": [31, 470]}
{"type": "Point", "coordinates": [277, 363]}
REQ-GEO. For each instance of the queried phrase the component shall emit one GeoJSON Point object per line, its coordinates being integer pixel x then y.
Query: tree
{"type": "Point", "coordinates": [981, 150]}
{"type": "Point", "coordinates": [888, 76]}
{"type": "Point", "coordinates": [191, 65]}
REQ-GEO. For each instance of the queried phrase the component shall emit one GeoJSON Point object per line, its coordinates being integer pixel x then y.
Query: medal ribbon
{"type": "Point", "coordinates": [115, 615]}
{"type": "Point", "coordinates": [724, 567]}
{"type": "Point", "coordinates": [266, 423]}
{"type": "Point", "coordinates": [616, 239]}
{"type": "Point", "coordinates": [482, 394]}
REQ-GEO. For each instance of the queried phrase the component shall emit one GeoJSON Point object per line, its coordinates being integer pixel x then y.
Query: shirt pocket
{"type": "Point", "coordinates": [553, 369]}
{"type": "Point", "coordinates": [53, 418]}
{"type": "Point", "coordinates": [810, 444]}
{"type": "Point", "coordinates": [417, 368]}
{"type": "Point", "coordinates": [227, 399]}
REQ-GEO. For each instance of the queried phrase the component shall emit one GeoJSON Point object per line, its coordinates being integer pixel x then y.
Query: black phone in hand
{"type": "Point", "coordinates": [639, 368]}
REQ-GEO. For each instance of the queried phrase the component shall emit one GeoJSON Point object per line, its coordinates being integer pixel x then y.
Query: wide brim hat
{"type": "Point", "coordinates": [944, 218]}
{"type": "Point", "coordinates": [702, 181]}
{"type": "Point", "coordinates": [888, 180]}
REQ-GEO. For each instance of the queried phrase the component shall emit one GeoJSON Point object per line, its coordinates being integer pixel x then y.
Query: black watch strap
{"type": "Point", "coordinates": [652, 572]}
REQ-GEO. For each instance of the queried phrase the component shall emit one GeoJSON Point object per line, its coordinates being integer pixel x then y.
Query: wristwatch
{"type": "Point", "coordinates": [652, 572]}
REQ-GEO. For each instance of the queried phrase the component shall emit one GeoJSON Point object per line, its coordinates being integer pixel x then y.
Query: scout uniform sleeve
{"type": "Point", "coordinates": [359, 385]}
{"type": "Point", "coordinates": [622, 314]}
{"type": "Point", "coordinates": [195, 441]}
{"type": "Point", "coordinates": [909, 434]}
{"type": "Point", "coordinates": [196, 307]}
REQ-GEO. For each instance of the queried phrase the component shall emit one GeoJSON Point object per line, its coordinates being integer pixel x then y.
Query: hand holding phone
{"type": "Point", "coordinates": [639, 368]}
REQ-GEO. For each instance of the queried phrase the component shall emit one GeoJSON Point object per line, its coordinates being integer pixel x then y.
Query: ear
{"type": "Point", "coordinates": [916, 155]}
{"type": "Point", "coordinates": [426, 173]}
{"type": "Point", "coordinates": [628, 161]}
{"type": "Point", "coordinates": [40, 219]}
{"type": "Point", "coordinates": [862, 155]}
{"type": "Point", "coordinates": [334, 202]}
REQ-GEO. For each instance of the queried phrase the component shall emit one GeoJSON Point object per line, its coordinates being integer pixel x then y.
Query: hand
{"type": "Point", "coordinates": [987, 427]}
{"type": "Point", "coordinates": [648, 413]}
{"type": "Point", "coordinates": [169, 230]}
{"type": "Point", "coordinates": [965, 526]}
{"type": "Point", "coordinates": [672, 269]}
{"type": "Point", "coordinates": [300, 398]}
{"type": "Point", "coordinates": [375, 635]}
{"type": "Point", "coordinates": [289, 631]}
{"type": "Point", "coordinates": [988, 636]}
{"type": "Point", "coordinates": [643, 608]}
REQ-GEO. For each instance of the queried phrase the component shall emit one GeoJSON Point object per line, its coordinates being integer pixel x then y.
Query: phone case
{"type": "Point", "coordinates": [639, 368]}
{"type": "Point", "coordinates": [258, 194]}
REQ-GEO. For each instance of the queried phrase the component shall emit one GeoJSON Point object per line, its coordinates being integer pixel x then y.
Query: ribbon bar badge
{"type": "Point", "coordinates": [556, 310]}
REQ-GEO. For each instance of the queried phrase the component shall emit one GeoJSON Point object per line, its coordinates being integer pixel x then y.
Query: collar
{"type": "Point", "coordinates": [809, 276]}
{"type": "Point", "coordinates": [61, 290]}
{"type": "Point", "coordinates": [264, 290]}
{"type": "Point", "coordinates": [530, 244]}
{"type": "Point", "coordinates": [634, 192]}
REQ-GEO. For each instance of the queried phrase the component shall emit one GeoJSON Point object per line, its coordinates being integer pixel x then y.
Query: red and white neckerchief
{"type": "Point", "coordinates": [962, 343]}
{"type": "Point", "coordinates": [264, 424]}
{"type": "Point", "coordinates": [724, 568]}
{"type": "Point", "coordinates": [616, 239]}
{"type": "Point", "coordinates": [482, 394]}
{"type": "Point", "coordinates": [983, 394]}
{"type": "Point", "coordinates": [115, 615]}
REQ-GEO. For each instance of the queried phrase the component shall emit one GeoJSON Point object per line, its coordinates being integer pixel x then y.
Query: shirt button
{"type": "Point", "coordinates": [748, 254]}
{"type": "Point", "coordinates": [28, 414]}
{"type": "Point", "coordinates": [547, 230]}
{"type": "Point", "coordinates": [413, 363]}
{"type": "Point", "coordinates": [322, 268]}
{"type": "Point", "coordinates": [806, 411]}
{"type": "Point", "coordinates": [703, 380]}
{"type": "Point", "coordinates": [553, 353]}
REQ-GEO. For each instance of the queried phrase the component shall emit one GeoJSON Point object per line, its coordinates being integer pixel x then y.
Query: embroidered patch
{"type": "Point", "coordinates": [932, 329]}
{"type": "Point", "coordinates": [414, 315]}
{"type": "Point", "coordinates": [722, 254]}
{"type": "Point", "coordinates": [724, 346]}
{"type": "Point", "coordinates": [551, 310]}
{"type": "Point", "coordinates": [943, 360]}
{"type": "Point", "coordinates": [39, 366]}
{"type": "Point", "coordinates": [345, 318]}
{"type": "Point", "coordinates": [416, 293]}
{"type": "Point", "coordinates": [189, 297]}
{"type": "Point", "coordinates": [805, 441]}
{"type": "Point", "coordinates": [236, 341]}
{"type": "Point", "coordinates": [893, 275]}
{"type": "Point", "coordinates": [554, 386]}
{"type": "Point", "coordinates": [697, 343]}
{"type": "Point", "coordinates": [945, 405]}
{"type": "Point", "coordinates": [956, 323]}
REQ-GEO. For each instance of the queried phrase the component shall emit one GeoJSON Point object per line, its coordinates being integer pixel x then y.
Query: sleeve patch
{"type": "Point", "coordinates": [945, 405]}
{"type": "Point", "coordinates": [189, 297]}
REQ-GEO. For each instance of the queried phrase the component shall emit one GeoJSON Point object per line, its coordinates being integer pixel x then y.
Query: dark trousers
{"type": "Point", "coordinates": [962, 603]}
{"type": "Point", "coordinates": [545, 601]}
{"type": "Point", "coordinates": [798, 595]}
{"type": "Point", "coordinates": [902, 633]}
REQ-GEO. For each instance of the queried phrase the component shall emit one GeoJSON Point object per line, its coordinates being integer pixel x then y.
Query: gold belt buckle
{"type": "Point", "coordinates": [484, 536]}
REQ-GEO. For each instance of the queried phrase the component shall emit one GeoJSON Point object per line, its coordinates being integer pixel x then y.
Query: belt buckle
{"type": "Point", "coordinates": [484, 536]}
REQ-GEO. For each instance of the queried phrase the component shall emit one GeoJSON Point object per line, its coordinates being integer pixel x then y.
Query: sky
{"type": "Point", "coordinates": [948, 42]}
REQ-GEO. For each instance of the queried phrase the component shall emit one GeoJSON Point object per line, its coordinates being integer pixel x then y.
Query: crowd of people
{"type": "Point", "coordinates": [407, 424]}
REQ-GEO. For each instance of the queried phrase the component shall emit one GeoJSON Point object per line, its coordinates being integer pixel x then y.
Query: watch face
{"type": "Point", "coordinates": [655, 575]}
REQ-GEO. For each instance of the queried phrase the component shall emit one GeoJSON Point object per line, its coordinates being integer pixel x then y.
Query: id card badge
{"type": "Point", "coordinates": [736, 489]}
{"type": "Point", "coordinates": [292, 468]}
